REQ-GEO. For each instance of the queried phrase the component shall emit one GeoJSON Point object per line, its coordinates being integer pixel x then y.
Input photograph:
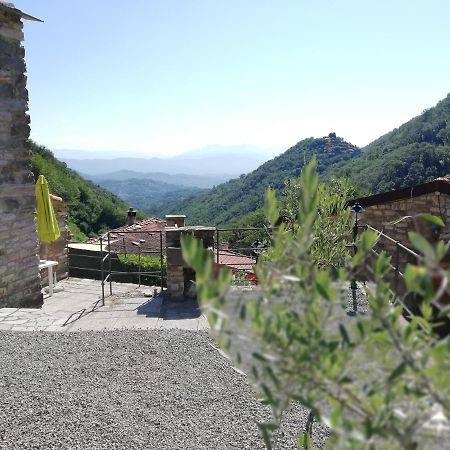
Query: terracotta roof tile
{"type": "Point", "coordinates": [144, 235]}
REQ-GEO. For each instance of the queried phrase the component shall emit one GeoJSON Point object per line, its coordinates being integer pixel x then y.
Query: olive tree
{"type": "Point", "coordinates": [376, 380]}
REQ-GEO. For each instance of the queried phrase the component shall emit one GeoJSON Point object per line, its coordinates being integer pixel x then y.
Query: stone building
{"type": "Point", "coordinates": [383, 212]}
{"type": "Point", "coordinates": [19, 275]}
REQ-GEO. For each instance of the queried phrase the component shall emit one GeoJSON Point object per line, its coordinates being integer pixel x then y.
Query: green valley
{"type": "Point", "coordinates": [416, 152]}
{"type": "Point", "coordinates": [148, 195]}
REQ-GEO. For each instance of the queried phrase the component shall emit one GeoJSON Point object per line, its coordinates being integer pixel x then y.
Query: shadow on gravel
{"type": "Point", "coordinates": [175, 310]}
{"type": "Point", "coordinates": [168, 309]}
{"type": "Point", "coordinates": [152, 307]}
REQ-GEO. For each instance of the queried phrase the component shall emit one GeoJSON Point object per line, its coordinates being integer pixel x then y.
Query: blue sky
{"type": "Point", "coordinates": [164, 77]}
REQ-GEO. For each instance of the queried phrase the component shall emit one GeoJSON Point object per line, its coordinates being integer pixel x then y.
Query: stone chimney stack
{"type": "Point", "coordinates": [179, 274]}
{"type": "Point", "coordinates": [19, 261]}
{"type": "Point", "coordinates": [175, 220]}
{"type": "Point", "coordinates": [131, 216]}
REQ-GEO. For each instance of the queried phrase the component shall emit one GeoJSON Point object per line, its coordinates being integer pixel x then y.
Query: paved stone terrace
{"type": "Point", "coordinates": [71, 308]}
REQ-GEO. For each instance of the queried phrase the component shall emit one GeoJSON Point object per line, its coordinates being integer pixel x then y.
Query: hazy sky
{"type": "Point", "coordinates": [164, 76]}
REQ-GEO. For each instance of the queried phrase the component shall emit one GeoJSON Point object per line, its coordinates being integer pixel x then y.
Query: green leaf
{"type": "Point", "coordinates": [413, 275]}
{"type": "Point", "coordinates": [305, 441]}
{"type": "Point", "coordinates": [421, 244]}
{"type": "Point", "coordinates": [267, 430]}
{"type": "Point", "coordinates": [243, 312]}
{"type": "Point", "coordinates": [433, 219]}
{"type": "Point", "coordinates": [397, 372]}
{"type": "Point", "coordinates": [323, 284]}
{"type": "Point", "coordinates": [271, 206]}
{"type": "Point", "coordinates": [344, 335]}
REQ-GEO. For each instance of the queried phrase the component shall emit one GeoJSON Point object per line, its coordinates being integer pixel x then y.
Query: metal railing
{"type": "Point", "coordinates": [109, 256]}
{"type": "Point", "coordinates": [108, 264]}
{"type": "Point", "coordinates": [239, 249]}
{"type": "Point", "coordinates": [399, 260]}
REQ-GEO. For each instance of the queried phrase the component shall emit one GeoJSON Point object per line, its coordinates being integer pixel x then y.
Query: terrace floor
{"type": "Point", "coordinates": [76, 306]}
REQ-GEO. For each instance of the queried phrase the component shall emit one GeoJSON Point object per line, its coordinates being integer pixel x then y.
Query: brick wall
{"type": "Point", "coordinates": [19, 276]}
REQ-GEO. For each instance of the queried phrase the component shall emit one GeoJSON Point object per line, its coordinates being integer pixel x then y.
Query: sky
{"type": "Point", "coordinates": [163, 77]}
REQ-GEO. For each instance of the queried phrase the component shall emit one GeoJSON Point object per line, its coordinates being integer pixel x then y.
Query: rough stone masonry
{"type": "Point", "coordinates": [19, 274]}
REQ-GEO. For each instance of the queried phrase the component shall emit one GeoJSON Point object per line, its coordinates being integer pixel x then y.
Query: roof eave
{"type": "Point", "coordinates": [25, 16]}
{"type": "Point", "coordinates": [438, 185]}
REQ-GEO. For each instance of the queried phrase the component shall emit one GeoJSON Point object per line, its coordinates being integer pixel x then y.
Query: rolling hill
{"type": "Point", "coordinates": [227, 202]}
{"type": "Point", "coordinates": [416, 152]}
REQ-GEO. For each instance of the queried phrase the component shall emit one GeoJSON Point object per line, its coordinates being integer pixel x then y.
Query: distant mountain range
{"type": "Point", "coordinates": [224, 161]}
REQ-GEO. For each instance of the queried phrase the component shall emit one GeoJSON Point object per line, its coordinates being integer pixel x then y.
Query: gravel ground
{"type": "Point", "coordinates": [129, 390]}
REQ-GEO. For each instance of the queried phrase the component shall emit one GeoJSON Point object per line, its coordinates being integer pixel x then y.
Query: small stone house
{"type": "Point", "coordinates": [380, 210]}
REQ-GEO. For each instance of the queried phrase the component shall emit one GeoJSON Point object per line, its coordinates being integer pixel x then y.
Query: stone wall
{"type": "Point", "coordinates": [381, 217]}
{"type": "Point", "coordinates": [19, 275]}
{"type": "Point", "coordinates": [179, 274]}
{"type": "Point", "coordinates": [57, 251]}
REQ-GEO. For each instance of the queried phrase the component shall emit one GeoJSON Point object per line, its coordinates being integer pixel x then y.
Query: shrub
{"type": "Point", "coordinates": [130, 263]}
{"type": "Point", "coordinates": [376, 380]}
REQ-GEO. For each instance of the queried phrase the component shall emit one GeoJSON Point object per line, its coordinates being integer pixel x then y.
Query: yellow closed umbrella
{"type": "Point", "coordinates": [47, 225]}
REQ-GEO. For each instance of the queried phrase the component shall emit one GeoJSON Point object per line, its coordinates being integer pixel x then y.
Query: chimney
{"type": "Point", "coordinates": [131, 216]}
{"type": "Point", "coordinates": [175, 220]}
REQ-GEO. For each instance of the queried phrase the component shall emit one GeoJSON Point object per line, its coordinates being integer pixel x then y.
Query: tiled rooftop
{"type": "Point", "coordinates": [147, 235]}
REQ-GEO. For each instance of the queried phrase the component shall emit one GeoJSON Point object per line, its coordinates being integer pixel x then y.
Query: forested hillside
{"type": "Point", "coordinates": [417, 152]}
{"type": "Point", "coordinates": [229, 201]}
{"type": "Point", "coordinates": [91, 209]}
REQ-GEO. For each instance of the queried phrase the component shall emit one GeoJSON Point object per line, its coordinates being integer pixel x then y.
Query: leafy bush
{"type": "Point", "coordinates": [76, 234]}
{"type": "Point", "coordinates": [130, 263]}
{"type": "Point", "coordinates": [376, 380]}
{"type": "Point", "coordinates": [332, 225]}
